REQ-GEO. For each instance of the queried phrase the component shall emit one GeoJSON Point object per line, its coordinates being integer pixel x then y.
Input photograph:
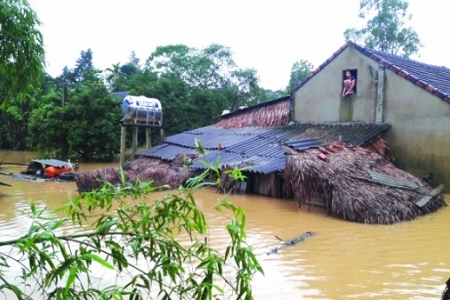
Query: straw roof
{"type": "Point", "coordinates": [269, 114]}
{"type": "Point", "coordinates": [162, 172]}
{"type": "Point", "coordinates": [342, 182]}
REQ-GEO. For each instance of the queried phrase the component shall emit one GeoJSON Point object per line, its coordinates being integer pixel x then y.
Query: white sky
{"type": "Point", "coordinates": [267, 35]}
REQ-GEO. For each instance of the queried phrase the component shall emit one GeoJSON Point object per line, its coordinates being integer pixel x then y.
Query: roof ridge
{"type": "Point", "coordinates": [377, 52]}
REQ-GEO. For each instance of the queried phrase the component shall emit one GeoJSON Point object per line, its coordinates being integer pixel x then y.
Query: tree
{"type": "Point", "coordinates": [386, 29]}
{"type": "Point", "coordinates": [299, 71]}
{"type": "Point", "coordinates": [156, 248]}
{"type": "Point", "coordinates": [21, 51]}
{"type": "Point", "coordinates": [85, 127]}
{"type": "Point", "coordinates": [73, 77]}
{"type": "Point", "coordinates": [114, 77]}
{"type": "Point", "coordinates": [83, 64]}
{"type": "Point", "coordinates": [134, 60]}
{"type": "Point", "coordinates": [196, 85]}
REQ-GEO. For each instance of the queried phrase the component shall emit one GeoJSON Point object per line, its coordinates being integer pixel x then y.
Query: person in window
{"type": "Point", "coordinates": [349, 84]}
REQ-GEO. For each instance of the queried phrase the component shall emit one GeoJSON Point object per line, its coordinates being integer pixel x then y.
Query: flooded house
{"type": "Point", "coordinates": [413, 97]}
{"type": "Point", "coordinates": [319, 148]}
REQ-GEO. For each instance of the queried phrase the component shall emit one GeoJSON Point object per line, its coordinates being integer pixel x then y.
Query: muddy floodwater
{"type": "Point", "coordinates": [342, 260]}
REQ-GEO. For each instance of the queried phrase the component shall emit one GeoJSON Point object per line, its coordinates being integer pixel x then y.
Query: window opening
{"type": "Point", "coordinates": [349, 80]}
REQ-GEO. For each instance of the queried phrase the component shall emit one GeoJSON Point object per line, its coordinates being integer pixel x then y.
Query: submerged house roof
{"type": "Point", "coordinates": [262, 148]}
{"type": "Point", "coordinates": [434, 79]}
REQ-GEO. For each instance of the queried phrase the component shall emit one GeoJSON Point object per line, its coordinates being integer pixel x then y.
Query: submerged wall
{"type": "Point", "coordinates": [419, 137]}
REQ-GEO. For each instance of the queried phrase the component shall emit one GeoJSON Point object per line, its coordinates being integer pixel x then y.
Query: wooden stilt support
{"type": "Point", "coordinates": [135, 140]}
{"type": "Point", "coordinates": [148, 137]}
{"type": "Point", "coordinates": [162, 135]}
{"type": "Point", "coordinates": [122, 145]}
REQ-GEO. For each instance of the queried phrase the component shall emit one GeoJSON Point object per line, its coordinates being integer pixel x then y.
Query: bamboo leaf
{"type": "Point", "coordinates": [71, 278]}
{"type": "Point", "coordinates": [98, 259]}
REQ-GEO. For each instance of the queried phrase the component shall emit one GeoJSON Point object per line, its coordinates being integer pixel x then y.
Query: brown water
{"type": "Point", "coordinates": [343, 260]}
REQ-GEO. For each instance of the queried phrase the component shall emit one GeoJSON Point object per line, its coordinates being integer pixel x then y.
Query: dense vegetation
{"type": "Point", "coordinates": [75, 115]}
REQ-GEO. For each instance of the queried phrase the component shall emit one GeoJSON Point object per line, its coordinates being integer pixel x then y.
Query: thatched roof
{"type": "Point", "coordinates": [266, 114]}
{"type": "Point", "coordinates": [343, 183]}
{"type": "Point", "coordinates": [172, 173]}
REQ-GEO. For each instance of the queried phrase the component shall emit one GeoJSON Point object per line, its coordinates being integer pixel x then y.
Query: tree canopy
{"type": "Point", "coordinates": [21, 51]}
{"type": "Point", "coordinates": [386, 29]}
{"type": "Point", "coordinates": [75, 76]}
{"type": "Point", "coordinates": [85, 127]}
{"type": "Point", "coordinates": [299, 71]}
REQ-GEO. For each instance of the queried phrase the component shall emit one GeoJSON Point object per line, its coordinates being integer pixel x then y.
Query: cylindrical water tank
{"type": "Point", "coordinates": [141, 109]}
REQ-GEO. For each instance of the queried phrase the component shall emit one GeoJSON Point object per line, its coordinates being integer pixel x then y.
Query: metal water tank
{"type": "Point", "coordinates": [142, 110]}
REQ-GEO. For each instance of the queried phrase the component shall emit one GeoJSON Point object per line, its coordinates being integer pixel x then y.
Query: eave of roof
{"type": "Point", "coordinates": [433, 79]}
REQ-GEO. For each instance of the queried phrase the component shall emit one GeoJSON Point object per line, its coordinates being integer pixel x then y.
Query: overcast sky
{"type": "Point", "coordinates": [267, 35]}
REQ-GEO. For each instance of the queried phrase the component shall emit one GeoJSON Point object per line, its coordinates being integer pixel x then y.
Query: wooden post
{"type": "Point", "coordinates": [122, 145]}
{"type": "Point", "coordinates": [380, 94]}
{"type": "Point", "coordinates": [135, 140]}
{"type": "Point", "coordinates": [148, 137]}
{"type": "Point", "coordinates": [162, 135]}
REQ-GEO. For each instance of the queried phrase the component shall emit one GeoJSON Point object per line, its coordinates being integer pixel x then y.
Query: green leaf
{"type": "Point", "coordinates": [198, 146]}
{"type": "Point", "coordinates": [98, 259]}
{"type": "Point", "coordinates": [71, 277]}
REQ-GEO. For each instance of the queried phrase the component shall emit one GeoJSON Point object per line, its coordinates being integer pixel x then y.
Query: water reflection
{"type": "Point", "coordinates": [341, 261]}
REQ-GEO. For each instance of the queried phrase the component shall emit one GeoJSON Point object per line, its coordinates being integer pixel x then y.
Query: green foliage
{"type": "Point", "coordinates": [74, 77]}
{"type": "Point", "coordinates": [156, 248]}
{"type": "Point", "coordinates": [14, 119]}
{"type": "Point", "coordinates": [115, 78]}
{"type": "Point", "coordinates": [87, 126]}
{"type": "Point", "coordinates": [21, 51]}
{"type": "Point", "coordinates": [299, 71]}
{"type": "Point", "coordinates": [119, 76]}
{"type": "Point", "coordinates": [195, 85]}
{"type": "Point", "coordinates": [386, 29]}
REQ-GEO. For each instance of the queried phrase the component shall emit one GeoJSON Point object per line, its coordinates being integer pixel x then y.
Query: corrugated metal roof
{"type": "Point", "coordinates": [224, 159]}
{"type": "Point", "coordinates": [262, 146]}
{"type": "Point", "coordinates": [351, 132]}
{"type": "Point", "coordinates": [167, 151]}
{"type": "Point", "coordinates": [392, 181]}
{"type": "Point", "coordinates": [52, 162]}
{"type": "Point", "coordinates": [267, 166]}
{"type": "Point", "coordinates": [304, 144]}
{"type": "Point", "coordinates": [258, 164]}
